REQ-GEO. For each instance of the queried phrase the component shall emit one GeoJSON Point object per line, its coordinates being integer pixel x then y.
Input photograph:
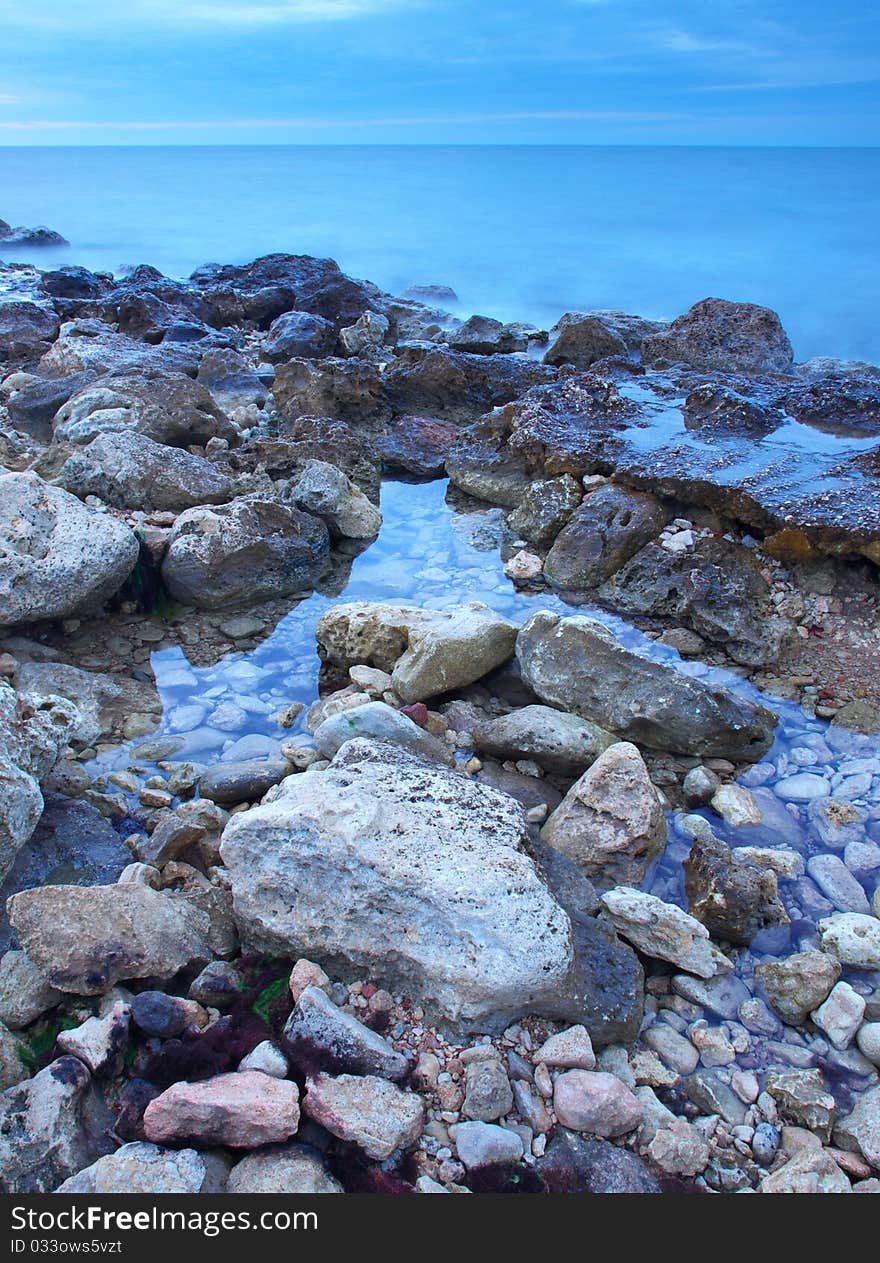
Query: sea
{"type": "Point", "coordinates": [519, 232]}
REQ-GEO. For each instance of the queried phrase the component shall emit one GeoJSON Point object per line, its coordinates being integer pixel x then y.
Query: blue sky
{"type": "Point", "coordinates": [439, 71]}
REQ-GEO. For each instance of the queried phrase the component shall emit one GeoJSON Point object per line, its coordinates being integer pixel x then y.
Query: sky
{"type": "Point", "coordinates": [740, 72]}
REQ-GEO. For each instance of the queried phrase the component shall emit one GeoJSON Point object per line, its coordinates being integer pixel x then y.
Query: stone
{"type": "Point", "coordinates": [328, 493]}
{"type": "Point", "coordinates": [595, 1102]}
{"type": "Point", "coordinates": [238, 1111]}
{"type": "Point", "coordinates": [26, 331]}
{"type": "Point", "coordinates": [459, 384]}
{"type": "Point", "coordinates": [840, 1015]}
{"type": "Point", "coordinates": [837, 823]}
{"type": "Point", "coordinates": [46, 1128]}
{"type": "Point", "coordinates": [167, 407]}
{"type": "Point", "coordinates": [722, 995]}
{"type": "Point", "coordinates": [813, 1171]}
{"type": "Point", "coordinates": [787, 865]}
{"type": "Point", "coordinates": [131, 471]}
{"type": "Point", "coordinates": [717, 335]}
{"type": "Point", "coordinates": [488, 1094]}
{"type": "Point", "coordinates": [417, 445]}
{"type": "Point", "coordinates": [582, 339]}
{"type": "Point", "coordinates": [218, 985]}
{"type": "Point", "coordinates": [679, 1149]}
{"type": "Point", "coordinates": [711, 1095]}
{"type": "Point", "coordinates": [383, 723]}
{"type": "Point", "coordinates": [735, 901]}
{"type": "Point", "coordinates": [104, 701]}
{"type": "Point", "coordinates": [349, 390]}
{"type": "Point", "coordinates": [837, 883]}
{"type": "Point", "coordinates": [601, 535]}
{"type": "Point", "coordinates": [426, 651]}
{"type": "Point", "coordinates": [59, 558]}
{"type": "Point", "coordinates": [13, 1059]}
{"type": "Point", "coordinates": [575, 1164]}
{"type": "Point", "coordinates": [663, 931]}
{"type": "Point", "coordinates": [557, 741]}
{"type": "Point", "coordinates": [366, 335]}
{"type": "Point", "coordinates": [803, 1099]}
{"type": "Point", "coordinates": [576, 663]}
{"type": "Point", "coordinates": [266, 1058]}
{"type": "Point", "coordinates": [320, 1035]}
{"type": "Point", "coordinates": [799, 983]}
{"type": "Point", "coordinates": [736, 805]}
{"type": "Point", "coordinates": [252, 549]}
{"type": "Point", "coordinates": [853, 938]}
{"type": "Point", "coordinates": [25, 994]}
{"type": "Point", "coordinates": [241, 782]}
{"type": "Point", "coordinates": [485, 1144]}
{"type": "Point", "coordinates": [85, 939]}
{"type": "Point", "coordinates": [674, 1050]}
{"type": "Point", "coordinates": [867, 1039]}
{"type": "Point", "coordinates": [160, 1015]}
{"type": "Point", "coordinates": [610, 821]}
{"type": "Point", "coordinates": [290, 1168]}
{"type": "Point", "coordinates": [341, 860]}
{"type": "Point", "coordinates": [141, 1167]}
{"type": "Point", "coordinates": [306, 973]}
{"type": "Point", "coordinates": [298, 335]}
{"type": "Point", "coordinates": [570, 1049]}
{"type": "Point", "coordinates": [546, 506]}
{"type": "Point", "coordinates": [802, 787]}
{"type": "Point", "coordinates": [365, 1110]}
{"type": "Point", "coordinates": [859, 1131]}
{"type": "Point", "coordinates": [101, 1042]}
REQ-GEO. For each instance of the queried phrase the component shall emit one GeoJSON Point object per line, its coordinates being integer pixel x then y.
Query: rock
{"type": "Point", "coordinates": [33, 733]}
{"type": "Point", "coordinates": [141, 1167]}
{"type": "Point", "coordinates": [366, 335]}
{"type": "Point", "coordinates": [427, 651]}
{"type": "Point", "coordinates": [679, 1149]}
{"type": "Point", "coordinates": [481, 335]}
{"type": "Point", "coordinates": [104, 701]}
{"type": "Point", "coordinates": [327, 493]}
{"type": "Point", "coordinates": [26, 331]}
{"type": "Point", "coordinates": [219, 985]}
{"type": "Point", "coordinates": [722, 995]}
{"type": "Point", "coordinates": [46, 1128]}
{"type": "Point", "coordinates": [662, 931]}
{"type": "Point", "coordinates": [734, 900]}
{"type": "Point", "coordinates": [168, 407]}
{"type": "Point", "coordinates": [601, 535]}
{"type": "Point", "coordinates": [610, 821]}
{"type": "Point", "coordinates": [242, 782]}
{"type": "Point", "coordinates": [716, 590]}
{"type": "Point", "coordinates": [787, 865]}
{"type": "Point", "coordinates": [35, 400]}
{"type": "Point", "coordinates": [129, 470]}
{"type": "Point", "coordinates": [456, 384]}
{"type": "Point", "coordinates": [24, 993]}
{"type": "Point", "coordinates": [485, 1144]}
{"type": "Point", "coordinates": [30, 236]}
{"type": "Point", "coordinates": [417, 445]}
{"type": "Point", "coordinates": [577, 663]}
{"type": "Point", "coordinates": [840, 1015]}
{"type": "Point", "coordinates": [868, 1037]}
{"type": "Point", "coordinates": [366, 1111]}
{"type": "Point", "coordinates": [276, 283]}
{"type": "Point", "coordinates": [803, 1100]}
{"type": "Point", "coordinates": [290, 1168]}
{"type": "Point", "coordinates": [595, 1102]}
{"type": "Point", "coordinates": [673, 1049]}
{"type": "Point", "coordinates": [239, 1111]}
{"type": "Point", "coordinates": [101, 1042]}
{"type": "Point", "coordinates": [570, 1049]}
{"type": "Point", "coordinates": [555, 740]}
{"type": "Point", "coordinates": [813, 1171]}
{"type": "Point", "coordinates": [59, 558]}
{"type": "Point", "coordinates": [859, 1131]}
{"type": "Point", "coordinates": [252, 549]}
{"type": "Point", "coordinates": [160, 1015]}
{"type": "Point", "coordinates": [853, 938]}
{"type": "Point", "coordinates": [298, 335]}
{"type": "Point", "coordinates": [737, 806]}
{"type": "Point", "coordinates": [342, 859]}
{"type": "Point", "coordinates": [266, 1058]}
{"type": "Point", "coordinates": [574, 1164]}
{"type": "Point", "coordinates": [802, 787]}
{"type": "Point", "coordinates": [719, 335]}
{"type": "Point", "coordinates": [320, 1035]}
{"type": "Point", "coordinates": [383, 723]}
{"type": "Point", "coordinates": [799, 983]}
{"type": "Point", "coordinates": [84, 939]}
{"type": "Point", "coordinates": [488, 1095]}
{"type": "Point", "coordinates": [349, 390]}
{"type": "Point", "coordinates": [13, 1059]}
{"type": "Point", "coordinates": [837, 883]}
{"type": "Point", "coordinates": [546, 507]}
{"type": "Point", "coordinates": [583, 339]}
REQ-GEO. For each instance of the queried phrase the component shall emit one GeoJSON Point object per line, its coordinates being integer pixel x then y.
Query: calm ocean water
{"type": "Point", "coordinates": [518, 232]}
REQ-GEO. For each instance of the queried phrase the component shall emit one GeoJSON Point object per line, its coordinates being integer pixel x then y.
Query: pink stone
{"type": "Point", "coordinates": [240, 1110]}
{"type": "Point", "coordinates": [595, 1102]}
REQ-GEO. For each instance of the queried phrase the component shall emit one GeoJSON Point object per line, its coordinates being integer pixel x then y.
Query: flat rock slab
{"type": "Point", "coordinates": [239, 1111]}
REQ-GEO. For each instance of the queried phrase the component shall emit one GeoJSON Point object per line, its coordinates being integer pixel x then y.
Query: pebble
{"type": "Point", "coordinates": [840, 1016]}
{"type": "Point", "coordinates": [571, 1049]}
{"type": "Point", "coordinates": [803, 787]}
{"type": "Point", "coordinates": [837, 883]}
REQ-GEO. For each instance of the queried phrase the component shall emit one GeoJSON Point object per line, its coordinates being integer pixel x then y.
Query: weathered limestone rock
{"type": "Point", "coordinates": [132, 471]}
{"type": "Point", "coordinates": [610, 821]}
{"type": "Point", "coordinates": [578, 664]}
{"type": "Point", "coordinates": [485, 1144]}
{"type": "Point", "coordinates": [381, 722]}
{"type": "Point", "coordinates": [798, 984]}
{"type": "Point", "coordinates": [812, 1171]}
{"type": "Point", "coordinates": [545, 508]}
{"type": "Point", "coordinates": [365, 1110]}
{"type": "Point", "coordinates": [141, 1167]}
{"type": "Point", "coordinates": [104, 701]}
{"type": "Point", "coordinates": [252, 549]}
{"type": "Point", "coordinates": [13, 1067]}
{"type": "Point", "coordinates": [426, 651]}
{"type": "Point", "coordinates": [663, 931]}
{"type": "Point", "coordinates": [318, 1034]}
{"type": "Point", "coordinates": [582, 339]}
{"type": "Point", "coordinates": [101, 1041]}
{"type": "Point", "coordinates": [860, 1129]}
{"type": "Point", "coordinates": [24, 993]}
{"type": "Point", "coordinates": [853, 937]}
{"type": "Point", "coordinates": [595, 1102]}
{"type": "Point", "coordinates": [733, 900]}
{"type": "Point", "coordinates": [240, 1111]}
{"type": "Point", "coordinates": [328, 493]}
{"type": "Point", "coordinates": [84, 939]}
{"type": "Point", "coordinates": [57, 557]}
{"type": "Point", "coordinates": [803, 1099]}
{"type": "Point", "coordinates": [601, 535]}
{"type": "Point", "coordinates": [555, 740]}
{"type": "Point", "coordinates": [290, 1168]}
{"type": "Point", "coordinates": [730, 337]}
{"type": "Point", "coordinates": [840, 1015]}
{"type": "Point", "coordinates": [167, 407]}
{"type": "Point", "coordinates": [570, 1049]}
{"type": "Point", "coordinates": [349, 864]}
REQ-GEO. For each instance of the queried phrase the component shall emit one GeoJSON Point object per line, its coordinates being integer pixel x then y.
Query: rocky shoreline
{"type": "Point", "coordinates": [571, 888]}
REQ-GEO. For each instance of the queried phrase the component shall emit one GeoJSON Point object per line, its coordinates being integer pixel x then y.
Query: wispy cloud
{"type": "Point", "coordinates": [200, 14]}
{"type": "Point", "coordinates": [678, 41]}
